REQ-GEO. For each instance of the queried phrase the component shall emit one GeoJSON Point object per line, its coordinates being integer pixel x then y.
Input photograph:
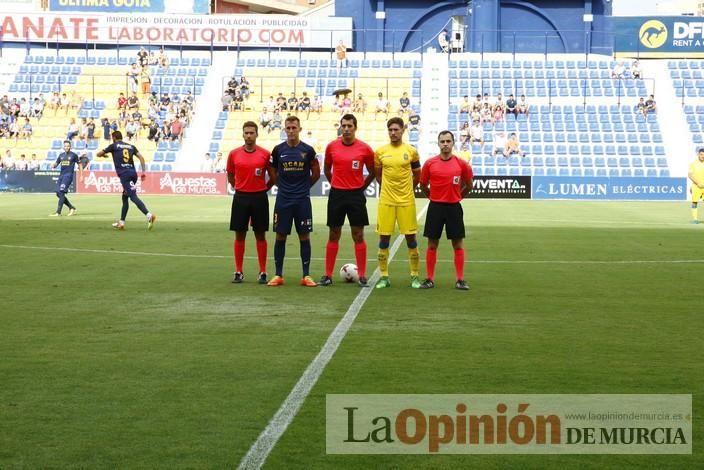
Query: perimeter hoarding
{"type": "Point", "coordinates": [180, 29]}
{"type": "Point", "coordinates": [658, 37]}
{"type": "Point", "coordinates": [132, 6]}
{"type": "Point", "coordinates": [626, 189]}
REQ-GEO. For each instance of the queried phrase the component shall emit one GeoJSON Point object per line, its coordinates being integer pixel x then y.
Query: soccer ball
{"type": "Point", "coordinates": [349, 273]}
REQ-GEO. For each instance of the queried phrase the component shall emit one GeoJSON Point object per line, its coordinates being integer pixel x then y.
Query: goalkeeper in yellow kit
{"type": "Point", "coordinates": [696, 175]}
{"type": "Point", "coordinates": [397, 168]}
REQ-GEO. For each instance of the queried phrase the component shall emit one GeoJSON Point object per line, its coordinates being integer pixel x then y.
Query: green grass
{"type": "Point", "coordinates": [131, 360]}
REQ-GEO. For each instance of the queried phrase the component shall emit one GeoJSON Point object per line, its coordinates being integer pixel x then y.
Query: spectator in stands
{"type": "Point", "coordinates": [8, 161]}
{"type": "Point", "coordinates": [650, 105]}
{"type": "Point", "coordinates": [275, 122]}
{"type": "Point", "coordinates": [163, 59]}
{"type": "Point", "coordinates": [464, 135]}
{"type": "Point", "coordinates": [304, 104]}
{"type": "Point", "coordinates": [360, 106]}
{"type": "Point", "coordinates": [499, 143]}
{"type": "Point", "coordinates": [154, 134]}
{"type": "Point", "coordinates": [132, 129]}
{"type": "Point", "coordinates": [146, 79]}
{"type": "Point", "coordinates": [292, 102]}
{"type": "Point", "coordinates": [26, 130]}
{"type": "Point", "coordinates": [238, 101]}
{"type": "Point", "coordinates": [341, 54]}
{"type": "Point", "coordinates": [37, 108]}
{"type": "Point", "coordinates": [499, 109]}
{"type": "Point", "coordinates": [414, 121]}
{"type": "Point", "coordinates": [121, 103]}
{"type": "Point", "coordinates": [226, 101]}
{"type": "Point", "coordinates": [265, 118]}
{"type": "Point", "coordinates": [381, 105]}
{"type": "Point", "coordinates": [281, 102]}
{"type": "Point", "coordinates": [189, 101]}
{"type": "Point", "coordinates": [512, 106]}
{"type": "Point", "coordinates": [153, 99]}
{"type": "Point", "coordinates": [22, 164]}
{"type": "Point", "coordinates": [25, 108]}
{"type": "Point", "coordinates": [83, 130]}
{"type": "Point", "coordinates": [14, 109]}
{"type": "Point", "coordinates": [83, 165]}
{"type": "Point", "coordinates": [73, 130]}
{"type": "Point", "coordinates": [153, 59]}
{"type": "Point", "coordinates": [133, 77]}
{"type": "Point", "coordinates": [444, 41]}
{"type": "Point", "coordinates": [476, 133]}
{"type": "Point", "coordinates": [346, 104]}
{"type": "Point", "coordinates": [404, 104]}
{"type": "Point", "coordinates": [165, 102]}
{"type": "Point", "coordinates": [270, 105]}
{"type": "Point", "coordinates": [486, 114]}
{"type": "Point", "coordinates": [34, 164]}
{"type": "Point", "coordinates": [142, 57]}
{"type": "Point", "coordinates": [5, 105]}
{"type": "Point", "coordinates": [244, 87]}
{"type": "Point", "coordinates": [522, 107]}
{"type": "Point", "coordinates": [14, 128]}
{"type": "Point", "coordinates": [636, 70]}
{"type": "Point", "coordinates": [177, 129]}
{"type": "Point", "coordinates": [220, 163]}
{"type": "Point", "coordinates": [132, 103]}
{"type": "Point", "coordinates": [513, 146]}
{"type": "Point", "coordinates": [208, 165]}
{"type": "Point", "coordinates": [90, 133]}
{"type": "Point", "coordinates": [55, 102]}
{"type": "Point", "coordinates": [317, 104]}
{"type": "Point", "coordinates": [618, 70]}
{"type": "Point", "coordinates": [4, 127]}
{"type": "Point", "coordinates": [64, 103]}
{"type": "Point", "coordinates": [640, 107]}
{"type": "Point", "coordinates": [75, 101]}
{"type": "Point", "coordinates": [465, 105]}
{"type": "Point", "coordinates": [476, 104]}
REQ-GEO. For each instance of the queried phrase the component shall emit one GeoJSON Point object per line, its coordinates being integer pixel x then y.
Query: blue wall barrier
{"type": "Point", "coordinates": [632, 189]}
{"type": "Point", "coordinates": [30, 181]}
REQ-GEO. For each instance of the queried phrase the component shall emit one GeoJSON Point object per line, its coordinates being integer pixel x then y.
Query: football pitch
{"type": "Point", "coordinates": [132, 349]}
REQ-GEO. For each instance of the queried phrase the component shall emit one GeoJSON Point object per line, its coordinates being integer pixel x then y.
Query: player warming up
{"type": "Point", "coordinates": [345, 160]}
{"type": "Point", "coordinates": [247, 167]}
{"type": "Point", "coordinates": [446, 180]}
{"type": "Point", "coordinates": [397, 168]}
{"type": "Point", "coordinates": [696, 175]}
{"type": "Point", "coordinates": [123, 157]}
{"type": "Point", "coordinates": [67, 160]}
{"type": "Point", "coordinates": [295, 169]}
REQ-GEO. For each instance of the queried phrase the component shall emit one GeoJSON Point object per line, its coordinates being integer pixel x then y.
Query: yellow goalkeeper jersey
{"type": "Point", "coordinates": [396, 164]}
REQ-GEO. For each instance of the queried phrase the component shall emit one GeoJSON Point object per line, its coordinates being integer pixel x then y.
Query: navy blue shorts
{"type": "Point", "coordinates": [129, 183]}
{"type": "Point", "coordinates": [63, 184]}
{"type": "Point", "coordinates": [286, 211]}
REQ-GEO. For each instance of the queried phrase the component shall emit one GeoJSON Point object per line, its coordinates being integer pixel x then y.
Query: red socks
{"type": "Point", "coordinates": [360, 254]}
{"type": "Point", "coordinates": [431, 257]}
{"type": "Point", "coordinates": [239, 255]}
{"type": "Point", "coordinates": [261, 255]}
{"type": "Point", "coordinates": [459, 263]}
{"type": "Point", "coordinates": [331, 250]}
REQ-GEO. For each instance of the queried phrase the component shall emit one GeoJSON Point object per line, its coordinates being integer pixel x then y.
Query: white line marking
{"type": "Point", "coordinates": [262, 447]}
{"type": "Point", "coordinates": [473, 261]}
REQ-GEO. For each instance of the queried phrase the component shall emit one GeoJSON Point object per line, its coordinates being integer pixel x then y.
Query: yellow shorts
{"type": "Point", "coordinates": [697, 193]}
{"type": "Point", "coordinates": [387, 216]}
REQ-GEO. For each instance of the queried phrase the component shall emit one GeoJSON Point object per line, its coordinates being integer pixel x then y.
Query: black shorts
{"type": "Point", "coordinates": [248, 207]}
{"type": "Point", "coordinates": [446, 215]}
{"type": "Point", "coordinates": [290, 211]}
{"type": "Point", "coordinates": [347, 202]}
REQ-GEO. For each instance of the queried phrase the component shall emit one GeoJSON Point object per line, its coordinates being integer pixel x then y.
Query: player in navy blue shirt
{"type": "Point", "coordinates": [123, 155]}
{"type": "Point", "coordinates": [295, 169]}
{"type": "Point", "coordinates": [67, 160]}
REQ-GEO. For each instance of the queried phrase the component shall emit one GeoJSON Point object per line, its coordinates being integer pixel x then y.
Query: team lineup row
{"type": "Point", "coordinates": [293, 167]}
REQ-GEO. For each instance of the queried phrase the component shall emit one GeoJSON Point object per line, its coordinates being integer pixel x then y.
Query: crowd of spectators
{"type": "Point", "coordinates": [9, 162]}
{"type": "Point", "coordinates": [482, 113]}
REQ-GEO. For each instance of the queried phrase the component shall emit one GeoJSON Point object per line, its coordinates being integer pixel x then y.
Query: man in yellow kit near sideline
{"type": "Point", "coordinates": [696, 175]}
{"type": "Point", "coordinates": [397, 168]}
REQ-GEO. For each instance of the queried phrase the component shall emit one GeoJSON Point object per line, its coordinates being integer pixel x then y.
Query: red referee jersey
{"type": "Point", "coordinates": [249, 168]}
{"type": "Point", "coordinates": [445, 178]}
{"type": "Point", "coordinates": [348, 162]}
